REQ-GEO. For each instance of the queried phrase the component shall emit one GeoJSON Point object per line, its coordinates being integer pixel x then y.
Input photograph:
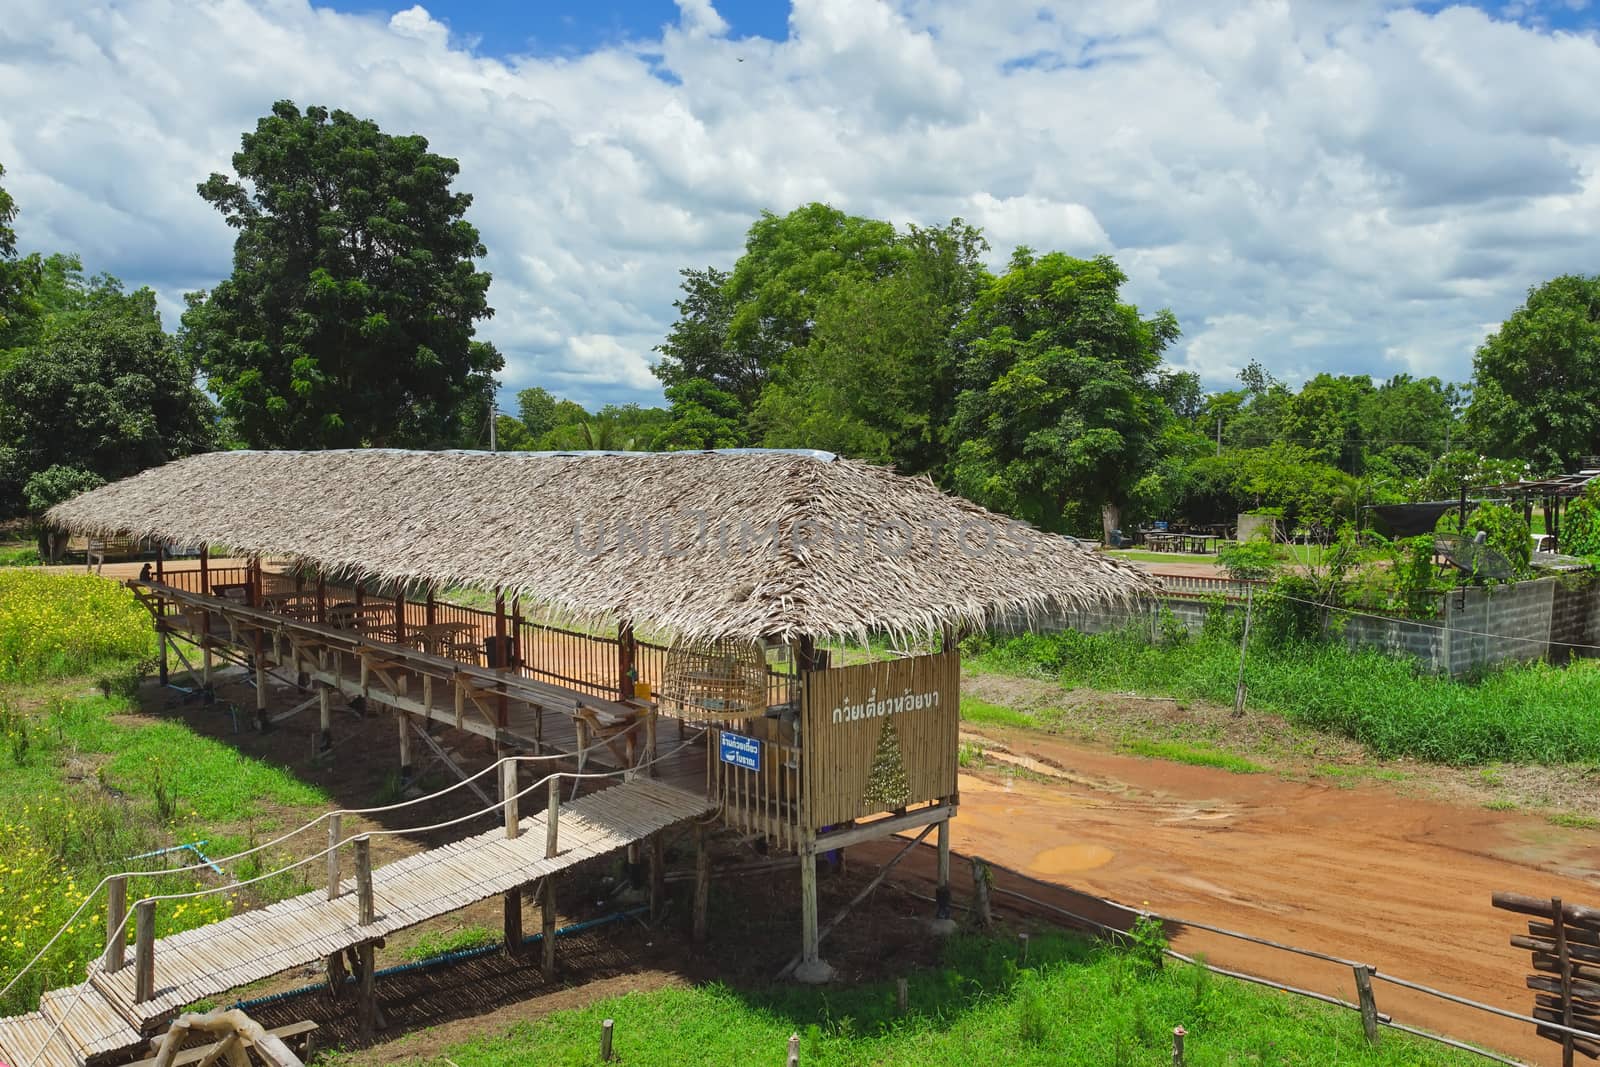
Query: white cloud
{"type": "Point", "coordinates": [1353, 187]}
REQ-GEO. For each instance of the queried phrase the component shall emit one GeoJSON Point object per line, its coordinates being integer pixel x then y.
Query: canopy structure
{"type": "Point", "coordinates": [744, 544]}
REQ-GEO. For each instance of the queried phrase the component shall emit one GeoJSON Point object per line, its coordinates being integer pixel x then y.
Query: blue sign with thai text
{"type": "Point", "coordinates": [741, 751]}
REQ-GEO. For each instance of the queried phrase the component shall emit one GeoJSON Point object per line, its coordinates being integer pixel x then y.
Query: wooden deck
{"type": "Point", "coordinates": [100, 1019]}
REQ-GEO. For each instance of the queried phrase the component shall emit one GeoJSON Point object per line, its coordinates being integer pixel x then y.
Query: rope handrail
{"type": "Point", "coordinates": [122, 927]}
{"type": "Point", "coordinates": [94, 893]}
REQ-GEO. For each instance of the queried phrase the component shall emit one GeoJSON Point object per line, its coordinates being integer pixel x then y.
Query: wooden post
{"type": "Point", "coordinates": [627, 650]}
{"type": "Point", "coordinates": [205, 570]}
{"type": "Point", "coordinates": [325, 714]}
{"type": "Point", "coordinates": [430, 610]}
{"type": "Point", "coordinates": [658, 876]}
{"type": "Point", "coordinates": [405, 745]}
{"type": "Point", "coordinates": [902, 996]}
{"type": "Point", "coordinates": [552, 811]}
{"type": "Point", "coordinates": [161, 615]}
{"type": "Point", "coordinates": [794, 1051]}
{"type": "Point", "coordinates": [1178, 1034]}
{"type": "Point", "coordinates": [144, 951]}
{"type": "Point", "coordinates": [1564, 963]}
{"type": "Point", "coordinates": [336, 975]}
{"type": "Point", "coordinates": [364, 906]}
{"type": "Point", "coordinates": [400, 617]}
{"type": "Point", "coordinates": [512, 943]}
{"type": "Point", "coordinates": [334, 840]}
{"type": "Point", "coordinates": [322, 599]}
{"type": "Point", "coordinates": [1369, 1003]}
{"type": "Point", "coordinates": [116, 919]}
{"type": "Point", "coordinates": [808, 902]}
{"type": "Point", "coordinates": [942, 892]}
{"type": "Point", "coordinates": [980, 896]}
{"type": "Point", "coordinates": [702, 882]}
{"type": "Point", "coordinates": [366, 1001]}
{"type": "Point", "coordinates": [503, 705]}
{"type": "Point", "coordinates": [605, 1040]}
{"type": "Point", "coordinates": [1244, 644]}
{"type": "Point", "coordinates": [547, 927]}
{"type": "Point", "coordinates": [508, 796]}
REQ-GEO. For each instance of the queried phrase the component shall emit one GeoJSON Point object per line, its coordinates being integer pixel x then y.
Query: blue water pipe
{"type": "Point", "coordinates": [193, 846]}
{"type": "Point", "coordinates": [443, 958]}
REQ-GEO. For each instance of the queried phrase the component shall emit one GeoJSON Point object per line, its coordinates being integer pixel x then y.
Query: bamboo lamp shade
{"type": "Point", "coordinates": [715, 680]}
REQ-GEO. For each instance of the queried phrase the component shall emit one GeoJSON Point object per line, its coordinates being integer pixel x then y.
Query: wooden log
{"type": "Point", "coordinates": [794, 1051]}
{"type": "Point", "coordinates": [364, 906]}
{"type": "Point", "coordinates": [116, 924]}
{"type": "Point", "coordinates": [552, 812]}
{"type": "Point", "coordinates": [366, 999]}
{"type": "Point", "coordinates": [1582, 988]}
{"type": "Point", "coordinates": [808, 903]}
{"type": "Point", "coordinates": [221, 1049]}
{"type": "Point", "coordinates": [144, 951]}
{"type": "Point", "coordinates": [1022, 949]}
{"type": "Point", "coordinates": [336, 975]}
{"type": "Point", "coordinates": [1564, 970]}
{"type": "Point", "coordinates": [981, 881]}
{"type": "Point", "coordinates": [334, 840]}
{"type": "Point", "coordinates": [1550, 963]}
{"type": "Point", "coordinates": [1547, 946]}
{"type": "Point", "coordinates": [508, 796]}
{"type": "Point", "coordinates": [511, 946]}
{"type": "Point", "coordinates": [606, 1028]}
{"type": "Point", "coordinates": [702, 882]}
{"type": "Point", "coordinates": [1578, 935]}
{"type": "Point", "coordinates": [1575, 914]}
{"type": "Point", "coordinates": [1369, 1003]}
{"type": "Point", "coordinates": [547, 928]}
{"type": "Point", "coordinates": [1579, 1044]}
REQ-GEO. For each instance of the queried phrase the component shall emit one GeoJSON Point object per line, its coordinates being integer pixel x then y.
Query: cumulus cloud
{"type": "Point", "coordinates": [1348, 187]}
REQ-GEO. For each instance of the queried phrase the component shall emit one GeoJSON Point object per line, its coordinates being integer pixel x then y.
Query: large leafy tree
{"type": "Point", "coordinates": [877, 378]}
{"type": "Point", "coordinates": [102, 393]}
{"type": "Point", "coordinates": [1060, 408]}
{"type": "Point", "coordinates": [349, 317]}
{"type": "Point", "coordinates": [1536, 380]}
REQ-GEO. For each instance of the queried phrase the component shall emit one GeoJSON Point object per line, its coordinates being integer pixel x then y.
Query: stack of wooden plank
{"type": "Point", "coordinates": [1565, 942]}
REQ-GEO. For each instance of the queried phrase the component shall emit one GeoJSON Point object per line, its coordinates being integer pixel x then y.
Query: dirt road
{"type": "Point", "coordinates": [1364, 872]}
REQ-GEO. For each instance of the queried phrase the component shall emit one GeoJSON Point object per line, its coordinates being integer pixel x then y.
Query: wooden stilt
{"type": "Point", "coordinates": [658, 876]}
{"type": "Point", "coordinates": [116, 917]}
{"type": "Point", "coordinates": [942, 892]}
{"type": "Point", "coordinates": [509, 798]}
{"type": "Point", "coordinates": [365, 912]}
{"type": "Point", "coordinates": [325, 712]}
{"type": "Point", "coordinates": [810, 959]}
{"type": "Point", "coordinates": [512, 946]}
{"type": "Point", "coordinates": [336, 975]}
{"type": "Point", "coordinates": [405, 745]}
{"type": "Point", "coordinates": [162, 672]}
{"type": "Point", "coordinates": [702, 882]}
{"type": "Point", "coordinates": [144, 951]}
{"type": "Point", "coordinates": [367, 1003]}
{"type": "Point", "coordinates": [547, 927]}
{"type": "Point", "coordinates": [334, 839]}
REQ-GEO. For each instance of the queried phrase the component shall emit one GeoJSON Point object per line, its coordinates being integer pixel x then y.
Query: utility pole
{"type": "Point", "coordinates": [493, 444]}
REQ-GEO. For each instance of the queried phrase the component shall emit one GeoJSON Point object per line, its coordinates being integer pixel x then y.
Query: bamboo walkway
{"type": "Point", "coordinates": [99, 1019]}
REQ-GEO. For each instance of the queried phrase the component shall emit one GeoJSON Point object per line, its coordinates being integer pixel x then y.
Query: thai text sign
{"type": "Point", "coordinates": [740, 751]}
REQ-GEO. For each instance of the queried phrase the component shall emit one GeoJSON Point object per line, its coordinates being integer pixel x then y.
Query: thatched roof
{"type": "Point", "coordinates": [700, 544]}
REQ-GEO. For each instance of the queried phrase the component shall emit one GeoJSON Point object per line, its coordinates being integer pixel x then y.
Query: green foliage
{"type": "Point", "coordinates": [987, 714]}
{"type": "Point", "coordinates": [1058, 412]}
{"type": "Point", "coordinates": [58, 624]}
{"type": "Point", "coordinates": [441, 942]}
{"type": "Point", "coordinates": [703, 416]}
{"type": "Point", "coordinates": [1534, 713]}
{"type": "Point", "coordinates": [49, 487]}
{"type": "Point", "coordinates": [1194, 755]}
{"type": "Point", "coordinates": [1505, 531]}
{"type": "Point", "coordinates": [97, 387]}
{"type": "Point", "coordinates": [349, 317]}
{"type": "Point", "coordinates": [1580, 524]}
{"type": "Point", "coordinates": [1537, 378]}
{"type": "Point", "coordinates": [1252, 560]}
{"type": "Point", "coordinates": [1073, 1003]}
{"type": "Point", "coordinates": [1416, 581]}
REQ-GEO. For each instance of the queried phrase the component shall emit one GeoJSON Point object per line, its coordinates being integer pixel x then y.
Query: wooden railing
{"type": "Point", "coordinates": [763, 801]}
{"type": "Point", "coordinates": [1199, 585]}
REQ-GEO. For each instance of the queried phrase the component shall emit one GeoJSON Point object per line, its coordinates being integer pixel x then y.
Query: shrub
{"type": "Point", "coordinates": [1580, 526]}
{"type": "Point", "coordinates": [52, 485]}
{"type": "Point", "coordinates": [1252, 560]}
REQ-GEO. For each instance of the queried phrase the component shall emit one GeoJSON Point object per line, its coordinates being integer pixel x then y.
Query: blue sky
{"type": "Point", "coordinates": [1355, 186]}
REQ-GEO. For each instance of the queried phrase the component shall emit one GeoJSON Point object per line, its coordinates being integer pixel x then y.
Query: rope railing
{"type": "Point", "coordinates": [120, 930]}
{"type": "Point", "coordinates": [318, 820]}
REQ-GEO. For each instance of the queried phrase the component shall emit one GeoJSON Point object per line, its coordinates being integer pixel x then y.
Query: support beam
{"type": "Point", "coordinates": [702, 881]}
{"type": "Point", "coordinates": [365, 912]}
{"type": "Point", "coordinates": [811, 970]}
{"type": "Point", "coordinates": [943, 922]}
{"type": "Point", "coordinates": [877, 828]}
{"type": "Point", "coordinates": [547, 927]}
{"type": "Point", "coordinates": [366, 1001]}
{"type": "Point", "coordinates": [325, 714]}
{"type": "Point", "coordinates": [511, 946]}
{"type": "Point", "coordinates": [402, 720]}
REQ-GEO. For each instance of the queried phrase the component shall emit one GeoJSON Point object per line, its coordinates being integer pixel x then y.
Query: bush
{"type": "Point", "coordinates": [1252, 560]}
{"type": "Point", "coordinates": [1580, 526]}
{"type": "Point", "coordinates": [49, 487]}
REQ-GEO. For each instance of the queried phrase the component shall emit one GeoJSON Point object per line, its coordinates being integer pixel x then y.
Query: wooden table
{"type": "Point", "coordinates": [440, 637]}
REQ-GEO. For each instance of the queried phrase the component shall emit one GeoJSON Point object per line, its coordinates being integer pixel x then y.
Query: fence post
{"type": "Point", "coordinates": [1369, 1003]}
{"type": "Point", "coordinates": [552, 811]}
{"type": "Point", "coordinates": [364, 880]}
{"type": "Point", "coordinates": [508, 793]}
{"type": "Point", "coordinates": [902, 996]}
{"type": "Point", "coordinates": [334, 839]}
{"type": "Point", "coordinates": [1244, 643]}
{"type": "Point", "coordinates": [116, 918]}
{"type": "Point", "coordinates": [1178, 1034]}
{"type": "Point", "coordinates": [144, 951]}
{"type": "Point", "coordinates": [980, 893]}
{"type": "Point", "coordinates": [794, 1050]}
{"type": "Point", "coordinates": [605, 1040]}
{"type": "Point", "coordinates": [1022, 950]}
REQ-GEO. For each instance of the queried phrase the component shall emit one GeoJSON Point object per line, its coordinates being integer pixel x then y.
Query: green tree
{"type": "Point", "coordinates": [349, 317]}
{"type": "Point", "coordinates": [1059, 409]}
{"type": "Point", "coordinates": [19, 277]}
{"type": "Point", "coordinates": [1536, 380]}
{"type": "Point", "coordinates": [877, 379]}
{"type": "Point", "coordinates": [537, 410]}
{"type": "Point", "coordinates": [703, 416]}
{"type": "Point", "coordinates": [103, 392]}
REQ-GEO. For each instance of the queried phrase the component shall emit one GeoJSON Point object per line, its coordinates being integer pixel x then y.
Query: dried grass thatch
{"type": "Point", "coordinates": [704, 545]}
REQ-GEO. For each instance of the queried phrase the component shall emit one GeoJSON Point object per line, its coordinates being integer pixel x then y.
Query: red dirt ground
{"type": "Point", "coordinates": [1359, 872]}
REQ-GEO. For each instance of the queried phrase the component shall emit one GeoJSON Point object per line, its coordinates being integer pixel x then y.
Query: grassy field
{"type": "Point", "coordinates": [1534, 713]}
{"type": "Point", "coordinates": [1306, 555]}
{"type": "Point", "coordinates": [82, 789]}
{"type": "Point", "coordinates": [1073, 1003]}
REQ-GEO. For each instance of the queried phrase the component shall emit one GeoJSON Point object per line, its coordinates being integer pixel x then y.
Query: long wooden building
{"type": "Point", "coordinates": [634, 596]}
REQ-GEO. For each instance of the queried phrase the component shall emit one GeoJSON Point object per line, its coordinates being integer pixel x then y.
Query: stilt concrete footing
{"type": "Point", "coordinates": [813, 972]}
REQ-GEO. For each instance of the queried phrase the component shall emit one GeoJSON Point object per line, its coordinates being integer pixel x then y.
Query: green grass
{"type": "Point", "coordinates": [1573, 821]}
{"type": "Point", "coordinates": [1303, 554]}
{"type": "Point", "coordinates": [987, 714]}
{"type": "Point", "coordinates": [1533, 713]}
{"type": "Point", "coordinates": [1074, 1004]}
{"type": "Point", "coordinates": [1198, 755]}
{"type": "Point", "coordinates": [438, 942]}
{"type": "Point", "coordinates": [19, 556]}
